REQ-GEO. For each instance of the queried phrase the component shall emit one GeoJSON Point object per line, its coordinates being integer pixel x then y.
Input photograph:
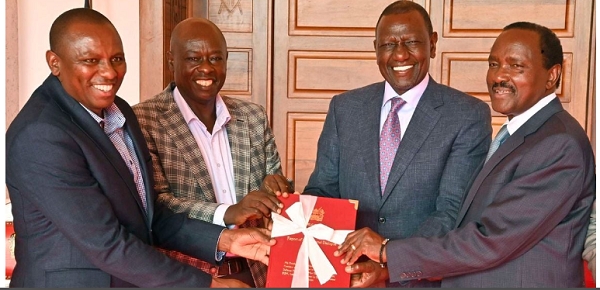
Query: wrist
{"type": "Point", "coordinates": [224, 243]}
{"type": "Point", "coordinates": [382, 259]}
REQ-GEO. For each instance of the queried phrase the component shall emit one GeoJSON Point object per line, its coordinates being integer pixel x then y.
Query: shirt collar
{"type": "Point", "coordinates": [223, 115]}
{"type": "Point", "coordinates": [411, 97]}
{"type": "Point", "coordinates": [113, 118]}
{"type": "Point", "coordinates": [517, 121]}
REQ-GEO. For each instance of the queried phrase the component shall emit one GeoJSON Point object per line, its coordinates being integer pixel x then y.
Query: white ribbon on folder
{"type": "Point", "coordinates": [299, 214]}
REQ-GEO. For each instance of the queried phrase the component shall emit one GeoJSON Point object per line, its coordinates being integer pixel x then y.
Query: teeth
{"type": "Point", "coordinates": [204, 83]}
{"type": "Point", "coordinates": [402, 68]}
{"type": "Point", "coordinates": [503, 91]}
{"type": "Point", "coordinates": [104, 88]}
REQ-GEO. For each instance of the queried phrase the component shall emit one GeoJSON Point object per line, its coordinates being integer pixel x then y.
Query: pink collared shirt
{"type": "Point", "coordinates": [411, 97]}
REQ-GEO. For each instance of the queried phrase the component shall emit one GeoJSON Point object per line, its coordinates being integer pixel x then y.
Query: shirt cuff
{"type": "Point", "coordinates": [219, 254]}
{"type": "Point", "coordinates": [219, 214]}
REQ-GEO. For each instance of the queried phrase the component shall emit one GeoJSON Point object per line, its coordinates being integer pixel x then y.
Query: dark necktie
{"type": "Point", "coordinates": [500, 138]}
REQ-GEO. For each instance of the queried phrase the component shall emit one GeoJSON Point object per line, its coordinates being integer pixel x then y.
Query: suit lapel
{"type": "Point", "coordinates": [139, 145]}
{"type": "Point", "coordinates": [185, 144]}
{"type": "Point", "coordinates": [368, 113]}
{"type": "Point", "coordinates": [239, 141]}
{"type": "Point", "coordinates": [421, 124]}
{"type": "Point", "coordinates": [90, 127]}
{"type": "Point", "coordinates": [511, 143]}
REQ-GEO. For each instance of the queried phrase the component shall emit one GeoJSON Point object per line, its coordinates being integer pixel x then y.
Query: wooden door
{"type": "Point", "coordinates": [324, 47]}
{"type": "Point", "coordinates": [292, 56]}
{"type": "Point", "coordinates": [465, 41]}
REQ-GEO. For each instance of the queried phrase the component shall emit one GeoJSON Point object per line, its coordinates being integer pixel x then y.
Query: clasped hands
{"type": "Point", "coordinates": [363, 242]}
{"type": "Point", "coordinates": [259, 204]}
{"type": "Point", "coordinates": [250, 242]}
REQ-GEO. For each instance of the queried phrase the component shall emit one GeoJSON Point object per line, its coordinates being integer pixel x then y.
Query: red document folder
{"type": "Point", "coordinates": [10, 249]}
{"type": "Point", "coordinates": [338, 214]}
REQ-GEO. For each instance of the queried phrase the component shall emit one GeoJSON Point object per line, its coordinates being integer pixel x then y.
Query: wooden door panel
{"type": "Point", "coordinates": [459, 20]}
{"type": "Point", "coordinates": [322, 74]}
{"type": "Point", "coordinates": [245, 25]}
{"type": "Point", "coordinates": [324, 47]}
{"type": "Point", "coordinates": [465, 41]}
{"type": "Point", "coordinates": [304, 130]}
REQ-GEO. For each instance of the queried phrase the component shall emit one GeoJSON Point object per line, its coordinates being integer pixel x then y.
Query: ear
{"type": "Point", "coordinates": [375, 44]}
{"type": "Point", "coordinates": [432, 44]}
{"type": "Point", "coordinates": [553, 76]}
{"type": "Point", "coordinates": [53, 62]}
{"type": "Point", "coordinates": [170, 61]}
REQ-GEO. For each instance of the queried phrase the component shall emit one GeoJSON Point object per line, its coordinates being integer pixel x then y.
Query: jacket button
{"type": "Point", "coordinates": [381, 220]}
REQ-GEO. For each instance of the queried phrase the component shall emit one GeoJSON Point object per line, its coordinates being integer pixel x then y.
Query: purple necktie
{"type": "Point", "coordinates": [389, 141]}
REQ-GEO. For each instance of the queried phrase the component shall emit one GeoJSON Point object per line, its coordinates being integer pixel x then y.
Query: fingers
{"type": "Point", "coordinates": [360, 242]}
{"type": "Point", "coordinates": [260, 235]}
{"type": "Point", "coordinates": [362, 267]}
{"type": "Point", "coordinates": [275, 182]}
{"type": "Point", "coordinates": [366, 274]}
{"type": "Point", "coordinates": [257, 204]}
{"type": "Point", "coordinates": [264, 202]}
{"type": "Point", "coordinates": [262, 254]}
{"type": "Point", "coordinates": [352, 255]}
{"type": "Point", "coordinates": [350, 249]}
{"type": "Point", "coordinates": [283, 184]}
{"type": "Point", "coordinates": [269, 224]}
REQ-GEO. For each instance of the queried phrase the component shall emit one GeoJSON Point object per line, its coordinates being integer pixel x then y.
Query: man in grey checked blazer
{"type": "Point", "coordinates": [184, 177]}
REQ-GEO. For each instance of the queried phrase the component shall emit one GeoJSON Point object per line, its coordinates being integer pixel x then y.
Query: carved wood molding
{"type": "Point", "coordinates": [174, 12]}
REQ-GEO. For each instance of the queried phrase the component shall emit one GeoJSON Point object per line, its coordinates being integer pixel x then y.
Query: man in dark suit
{"type": "Point", "coordinates": [445, 135]}
{"type": "Point", "coordinates": [79, 176]}
{"type": "Point", "coordinates": [524, 220]}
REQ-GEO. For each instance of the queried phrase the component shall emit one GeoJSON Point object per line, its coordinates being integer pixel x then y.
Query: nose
{"type": "Point", "coordinates": [499, 73]}
{"type": "Point", "coordinates": [400, 52]}
{"type": "Point", "coordinates": [204, 66]}
{"type": "Point", "coordinates": [107, 70]}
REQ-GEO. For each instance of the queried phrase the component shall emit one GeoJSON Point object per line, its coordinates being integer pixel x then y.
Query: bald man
{"type": "Point", "coordinates": [79, 176]}
{"type": "Point", "coordinates": [210, 152]}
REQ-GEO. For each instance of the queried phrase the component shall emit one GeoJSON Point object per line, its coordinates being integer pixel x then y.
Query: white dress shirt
{"type": "Point", "coordinates": [215, 151]}
{"type": "Point", "coordinates": [517, 121]}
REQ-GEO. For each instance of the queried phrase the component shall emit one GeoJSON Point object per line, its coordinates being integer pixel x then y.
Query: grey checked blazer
{"type": "Point", "coordinates": [181, 177]}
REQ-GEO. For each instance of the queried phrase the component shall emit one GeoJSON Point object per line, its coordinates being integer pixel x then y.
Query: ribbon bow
{"type": "Point", "coordinates": [299, 214]}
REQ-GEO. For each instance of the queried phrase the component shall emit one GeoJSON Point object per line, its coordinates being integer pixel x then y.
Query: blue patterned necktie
{"type": "Point", "coordinates": [500, 138]}
{"type": "Point", "coordinates": [389, 141]}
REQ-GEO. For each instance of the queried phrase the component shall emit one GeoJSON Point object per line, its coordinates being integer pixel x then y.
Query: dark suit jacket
{"type": "Point", "coordinates": [446, 139]}
{"type": "Point", "coordinates": [524, 219]}
{"type": "Point", "coordinates": [78, 218]}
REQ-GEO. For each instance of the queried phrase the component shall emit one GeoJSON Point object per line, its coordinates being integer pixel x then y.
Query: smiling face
{"type": "Point", "coordinates": [90, 64]}
{"type": "Point", "coordinates": [516, 77]}
{"type": "Point", "coordinates": [198, 58]}
{"type": "Point", "coordinates": [403, 47]}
